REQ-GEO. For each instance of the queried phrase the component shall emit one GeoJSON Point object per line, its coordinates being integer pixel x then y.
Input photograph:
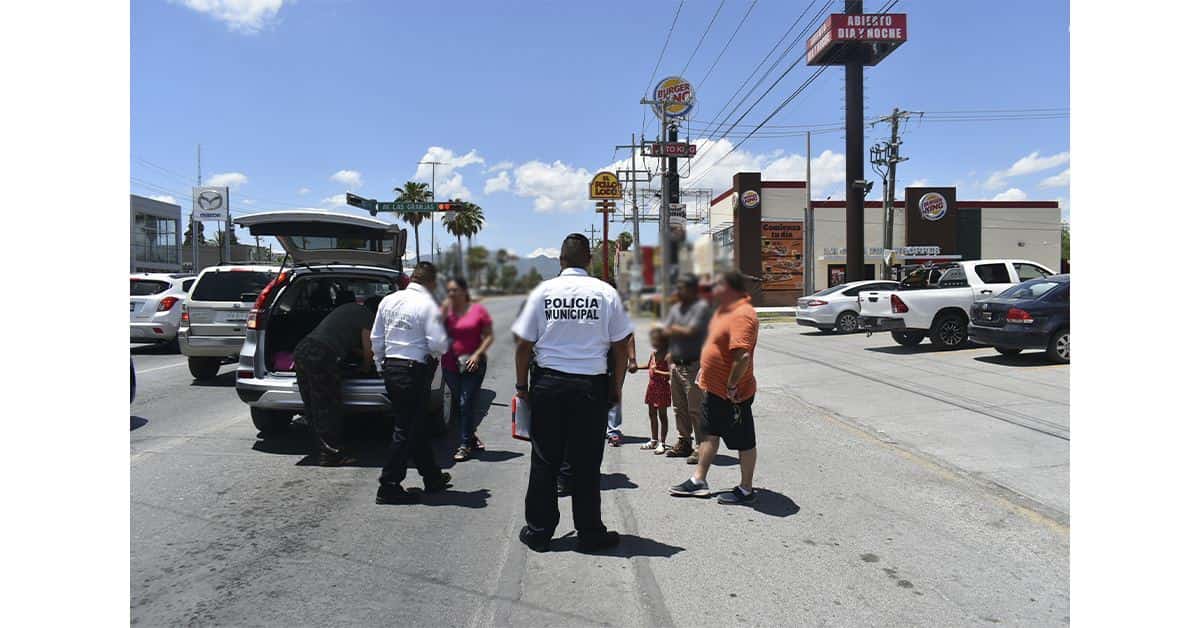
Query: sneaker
{"type": "Point", "coordinates": [735, 496]}
{"type": "Point", "coordinates": [462, 453]}
{"type": "Point", "coordinates": [394, 494]}
{"type": "Point", "coordinates": [614, 440]}
{"type": "Point", "coordinates": [438, 484]}
{"type": "Point", "coordinates": [650, 444]}
{"type": "Point", "coordinates": [690, 488]}
{"type": "Point", "coordinates": [533, 540]}
{"type": "Point", "coordinates": [477, 445]}
{"type": "Point", "coordinates": [682, 447]}
{"type": "Point", "coordinates": [660, 450]}
{"type": "Point", "coordinates": [595, 543]}
{"type": "Point", "coordinates": [694, 458]}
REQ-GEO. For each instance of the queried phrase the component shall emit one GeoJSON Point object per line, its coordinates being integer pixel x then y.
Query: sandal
{"type": "Point", "coordinates": [660, 450]}
{"type": "Point", "coordinates": [649, 445]}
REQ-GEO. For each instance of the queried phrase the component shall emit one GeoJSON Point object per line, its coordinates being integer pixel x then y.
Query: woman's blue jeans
{"type": "Point", "coordinates": [465, 388]}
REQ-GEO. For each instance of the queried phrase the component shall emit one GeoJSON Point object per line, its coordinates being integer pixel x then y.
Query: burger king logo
{"type": "Point", "coordinates": [933, 206]}
{"type": "Point", "coordinates": [676, 91]}
{"type": "Point", "coordinates": [750, 199]}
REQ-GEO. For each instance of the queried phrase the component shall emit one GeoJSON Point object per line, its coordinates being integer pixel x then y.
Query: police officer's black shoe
{"type": "Point", "coordinates": [598, 542]}
{"type": "Point", "coordinates": [394, 494]}
{"type": "Point", "coordinates": [536, 542]}
{"type": "Point", "coordinates": [438, 484]}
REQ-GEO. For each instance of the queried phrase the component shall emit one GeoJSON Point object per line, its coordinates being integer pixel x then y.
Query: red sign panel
{"type": "Point", "coordinates": [670, 149]}
{"type": "Point", "coordinates": [888, 29]}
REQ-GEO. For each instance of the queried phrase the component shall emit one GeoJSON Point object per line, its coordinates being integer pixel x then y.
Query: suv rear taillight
{"type": "Point", "coordinates": [898, 306]}
{"type": "Point", "coordinates": [167, 303]}
{"type": "Point", "coordinates": [185, 318]}
{"type": "Point", "coordinates": [255, 319]}
{"type": "Point", "coordinates": [1017, 315]}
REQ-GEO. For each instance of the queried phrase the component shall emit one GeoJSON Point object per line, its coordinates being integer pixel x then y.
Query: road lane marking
{"type": "Point", "coordinates": [180, 440]}
{"type": "Point", "coordinates": [160, 368]}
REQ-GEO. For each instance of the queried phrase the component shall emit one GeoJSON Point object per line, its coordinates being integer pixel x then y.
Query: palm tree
{"type": "Point", "coordinates": [466, 221]}
{"type": "Point", "coordinates": [414, 192]}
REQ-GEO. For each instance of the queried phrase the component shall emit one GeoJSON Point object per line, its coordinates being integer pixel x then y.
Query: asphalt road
{"type": "Point", "coordinates": [879, 504]}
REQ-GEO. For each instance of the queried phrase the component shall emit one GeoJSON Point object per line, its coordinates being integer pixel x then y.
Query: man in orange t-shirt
{"type": "Point", "coordinates": [727, 379]}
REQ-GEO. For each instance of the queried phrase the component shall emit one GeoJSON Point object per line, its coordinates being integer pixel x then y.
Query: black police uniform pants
{"type": "Point", "coordinates": [408, 388]}
{"type": "Point", "coordinates": [318, 374]}
{"type": "Point", "coordinates": [570, 416]}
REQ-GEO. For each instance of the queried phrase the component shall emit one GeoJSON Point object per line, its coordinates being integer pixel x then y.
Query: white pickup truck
{"type": "Point", "coordinates": [934, 300]}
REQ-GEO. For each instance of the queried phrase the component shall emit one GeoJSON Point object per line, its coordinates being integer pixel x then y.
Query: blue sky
{"type": "Point", "coordinates": [295, 102]}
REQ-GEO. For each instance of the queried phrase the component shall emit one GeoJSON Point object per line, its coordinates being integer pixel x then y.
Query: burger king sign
{"type": "Point", "coordinates": [933, 206]}
{"type": "Point", "coordinates": [673, 97]}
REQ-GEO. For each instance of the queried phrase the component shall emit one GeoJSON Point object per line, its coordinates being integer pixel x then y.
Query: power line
{"type": "Point", "coordinates": [727, 43]}
{"type": "Point", "coordinates": [658, 63]}
{"type": "Point", "coordinates": [702, 37]}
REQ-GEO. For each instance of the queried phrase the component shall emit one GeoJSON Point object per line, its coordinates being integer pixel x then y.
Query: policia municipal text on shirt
{"type": "Point", "coordinates": [578, 328]}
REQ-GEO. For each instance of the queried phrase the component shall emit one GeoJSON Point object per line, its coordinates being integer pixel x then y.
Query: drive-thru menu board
{"type": "Point", "coordinates": [783, 255]}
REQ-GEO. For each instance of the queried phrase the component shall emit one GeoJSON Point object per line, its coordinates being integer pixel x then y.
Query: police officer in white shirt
{"type": "Point", "coordinates": [576, 324]}
{"type": "Point", "coordinates": [407, 336]}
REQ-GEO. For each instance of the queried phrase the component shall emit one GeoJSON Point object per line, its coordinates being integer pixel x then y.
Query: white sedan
{"type": "Point", "coordinates": [836, 308]}
{"type": "Point", "coordinates": [155, 305]}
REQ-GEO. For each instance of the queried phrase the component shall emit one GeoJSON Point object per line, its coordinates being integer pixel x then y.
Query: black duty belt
{"type": "Point", "coordinates": [543, 370]}
{"type": "Point", "coordinates": [403, 362]}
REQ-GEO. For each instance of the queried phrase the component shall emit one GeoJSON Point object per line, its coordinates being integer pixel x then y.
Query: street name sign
{"type": "Point", "coordinates": [669, 149]}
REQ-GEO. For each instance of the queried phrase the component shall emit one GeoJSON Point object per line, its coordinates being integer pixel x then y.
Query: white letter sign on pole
{"type": "Point", "coordinates": [210, 203]}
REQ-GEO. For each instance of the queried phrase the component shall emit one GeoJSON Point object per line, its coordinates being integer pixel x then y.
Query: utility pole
{"type": "Point", "coordinates": [433, 193]}
{"type": "Point", "coordinates": [195, 250]}
{"type": "Point", "coordinates": [884, 158]}
{"type": "Point", "coordinates": [591, 236]}
{"type": "Point", "coordinates": [854, 156]}
{"type": "Point", "coordinates": [809, 231]}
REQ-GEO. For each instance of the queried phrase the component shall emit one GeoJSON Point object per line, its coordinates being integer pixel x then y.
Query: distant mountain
{"type": "Point", "coordinates": [547, 266]}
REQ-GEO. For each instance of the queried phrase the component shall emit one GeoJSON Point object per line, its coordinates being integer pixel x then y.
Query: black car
{"type": "Point", "coordinates": [1034, 314]}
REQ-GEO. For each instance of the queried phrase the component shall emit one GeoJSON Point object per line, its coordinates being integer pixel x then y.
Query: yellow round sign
{"type": "Point", "coordinates": [676, 91]}
{"type": "Point", "coordinates": [605, 185]}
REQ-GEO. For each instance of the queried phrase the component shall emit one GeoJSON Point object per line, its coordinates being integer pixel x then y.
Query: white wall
{"type": "Point", "coordinates": [1031, 233]}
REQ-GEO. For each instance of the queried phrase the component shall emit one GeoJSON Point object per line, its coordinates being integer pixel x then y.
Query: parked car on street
{"type": "Point", "coordinates": [335, 256]}
{"type": "Point", "coordinates": [156, 306]}
{"type": "Point", "coordinates": [214, 317]}
{"type": "Point", "coordinates": [1034, 314]}
{"type": "Point", "coordinates": [836, 308]}
{"type": "Point", "coordinates": [935, 300]}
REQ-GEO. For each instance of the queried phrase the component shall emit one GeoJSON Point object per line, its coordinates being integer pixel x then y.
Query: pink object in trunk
{"type": "Point", "coordinates": [282, 361]}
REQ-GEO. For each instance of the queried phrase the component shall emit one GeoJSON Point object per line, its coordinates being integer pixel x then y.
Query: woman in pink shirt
{"type": "Point", "coordinates": [469, 327]}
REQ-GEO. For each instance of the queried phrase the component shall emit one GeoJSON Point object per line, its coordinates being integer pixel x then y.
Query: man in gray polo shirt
{"type": "Point", "coordinates": [686, 329]}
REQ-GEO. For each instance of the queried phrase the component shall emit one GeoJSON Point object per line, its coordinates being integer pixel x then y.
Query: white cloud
{"type": "Point", "coordinates": [303, 191]}
{"type": "Point", "coordinates": [243, 16]}
{"type": "Point", "coordinates": [1011, 194]}
{"type": "Point", "coordinates": [1060, 180]}
{"type": "Point", "coordinates": [504, 165]}
{"type": "Point", "coordinates": [1029, 164]}
{"type": "Point", "coordinates": [165, 198]}
{"type": "Point", "coordinates": [449, 182]}
{"type": "Point", "coordinates": [248, 201]}
{"type": "Point", "coordinates": [544, 251]}
{"type": "Point", "coordinates": [919, 183]}
{"type": "Point", "coordinates": [231, 179]}
{"type": "Point", "coordinates": [499, 183]}
{"type": "Point", "coordinates": [349, 178]}
{"type": "Point", "coordinates": [554, 187]}
{"type": "Point", "coordinates": [335, 200]}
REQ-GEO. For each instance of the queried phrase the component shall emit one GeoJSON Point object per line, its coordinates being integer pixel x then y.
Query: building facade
{"type": "Point", "coordinates": [155, 236]}
{"type": "Point", "coordinates": [757, 227]}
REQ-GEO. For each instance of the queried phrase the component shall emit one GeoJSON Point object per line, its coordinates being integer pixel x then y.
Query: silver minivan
{"type": "Point", "coordinates": [335, 258]}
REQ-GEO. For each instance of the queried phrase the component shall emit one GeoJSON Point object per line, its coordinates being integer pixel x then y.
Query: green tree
{"type": "Point", "coordinates": [477, 260]}
{"type": "Point", "coordinates": [530, 280]}
{"type": "Point", "coordinates": [493, 276]}
{"type": "Point", "coordinates": [1066, 241]}
{"type": "Point", "coordinates": [219, 237]}
{"type": "Point", "coordinates": [466, 221]}
{"type": "Point", "coordinates": [187, 234]}
{"type": "Point", "coordinates": [508, 278]}
{"type": "Point", "coordinates": [414, 192]}
{"type": "Point", "coordinates": [598, 259]}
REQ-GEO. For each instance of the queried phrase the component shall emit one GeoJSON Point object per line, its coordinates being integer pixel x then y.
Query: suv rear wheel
{"type": "Point", "coordinates": [271, 421]}
{"type": "Point", "coordinates": [949, 331]}
{"type": "Point", "coordinates": [204, 368]}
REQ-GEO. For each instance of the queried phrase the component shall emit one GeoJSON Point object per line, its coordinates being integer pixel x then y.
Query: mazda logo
{"type": "Point", "coordinates": [209, 200]}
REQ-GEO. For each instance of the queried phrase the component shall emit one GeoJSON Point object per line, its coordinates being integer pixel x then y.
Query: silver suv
{"type": "Point", "coordinates": [336, 257]}
{"type": "Point", "coordinates": [213, 324]}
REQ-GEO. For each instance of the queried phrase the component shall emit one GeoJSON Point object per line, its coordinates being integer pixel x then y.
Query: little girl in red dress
{"type": "Point", "coordinates": [658, 391]}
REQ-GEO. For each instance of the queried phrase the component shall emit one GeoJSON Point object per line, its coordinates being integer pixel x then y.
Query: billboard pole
{"type": "Point", "coordinates": [854, 156]}
{"type": "Point", "coordinates": [195, 235]}
{"type": "Point", "coordinates": [808, 217]}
